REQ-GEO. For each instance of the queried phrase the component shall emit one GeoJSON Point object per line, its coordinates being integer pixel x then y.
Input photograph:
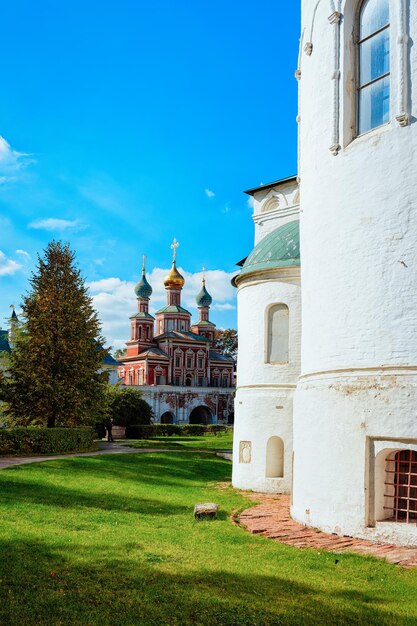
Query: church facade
{"type": "Point", "coordinates": [172, 360]}
{"type": "Point", "coordinates": [327, 394]}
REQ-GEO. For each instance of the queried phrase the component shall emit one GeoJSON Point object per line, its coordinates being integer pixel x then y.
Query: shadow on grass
{"type": "Point", "coordinates": [33, 485]}
{"type": "Point", "coordinates": [156, 468]}
{"type": "Point", "coordinates": [65, 497]}
{"type": "Point", "coordinates": [40, 585]}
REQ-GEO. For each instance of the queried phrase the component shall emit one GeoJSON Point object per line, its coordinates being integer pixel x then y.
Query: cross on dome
{"type": "Point", "coordinates": [174, 247]}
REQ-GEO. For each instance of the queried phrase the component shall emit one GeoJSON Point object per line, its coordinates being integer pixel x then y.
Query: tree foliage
{"type": "Point", "coordinates": [225, 342]}
{"type": "Point", "coordinates": [53, 375]}
{"type": "Point", "coordinates": [125, 406]}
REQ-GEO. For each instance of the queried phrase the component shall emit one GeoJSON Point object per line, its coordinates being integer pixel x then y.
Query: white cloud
{"type": "Point", "coordinates": [209, 193]}
{"type": "Point", "coordinates": [227, 208]}
{"type": "Point", "coordinates": [55, 223]}
{"type": "Point", "coordinates": [251, 202]}
{"type": "Point", "coordinates": [11, 162]}
{"type": "Point", "coordinates": [24, 254]}
{"type": "Point", "coordinates": [226, 306]}
{"type": "Point", "coordinates": [8, 266]}
{"type": "Point", "coordinates": [115, 300]}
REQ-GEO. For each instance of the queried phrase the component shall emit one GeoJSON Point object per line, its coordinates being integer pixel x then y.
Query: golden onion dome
{"type": "Point", "coordinates": [174, 278]}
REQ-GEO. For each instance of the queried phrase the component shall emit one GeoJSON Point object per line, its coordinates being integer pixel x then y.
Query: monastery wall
{"type": "Point", "coordinates": [356, 399]}
{"type": "Point", "coordinates": [264, 396]}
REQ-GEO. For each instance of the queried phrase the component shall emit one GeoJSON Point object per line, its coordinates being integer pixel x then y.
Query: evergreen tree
{"type": "Point", "coordinates": [54, 374]}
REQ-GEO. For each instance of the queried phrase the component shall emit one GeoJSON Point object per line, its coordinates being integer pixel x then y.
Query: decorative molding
{"type": "Point", "coordinates": [297, 74]}
{"type": "Point", "coordinates": [334, 20]}
{"type": "Point", "coordinates": [245, 451]}
{"type": "Point", "coordinates": [403, 117]}
{"type": "Point", "coordinates": [308, 48]}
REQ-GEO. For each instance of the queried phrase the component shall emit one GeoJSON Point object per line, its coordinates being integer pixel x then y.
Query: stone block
{"type": "Point", "coordinates": [207, 510]}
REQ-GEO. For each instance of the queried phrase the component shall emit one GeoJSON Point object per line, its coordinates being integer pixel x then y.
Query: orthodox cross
{"type": "Point", "coordinates": [174, 247]}
{"type": "Point", "coordinates": [204, 275]}
{"type": "Point", "coordinates": [143, 263]}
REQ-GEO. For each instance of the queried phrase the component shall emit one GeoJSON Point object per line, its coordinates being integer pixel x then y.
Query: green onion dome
{"type": "Point", "coordinates": [143, 288]}
{"type": "Point", "coordinates": [204, 299]}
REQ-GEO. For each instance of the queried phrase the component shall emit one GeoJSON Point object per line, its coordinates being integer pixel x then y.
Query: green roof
{"type": "Point", "coordinates": [204, 299]}
{"type": "Point", "coordinates": [141, 315]}
{"type": "Point", "coordinates": [281, 248]}
{"type": "Point", "coordinates": [173, 308]}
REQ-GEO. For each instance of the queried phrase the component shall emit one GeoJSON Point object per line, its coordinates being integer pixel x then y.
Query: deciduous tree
{"type": "Point", "coordinates": [225, 341]}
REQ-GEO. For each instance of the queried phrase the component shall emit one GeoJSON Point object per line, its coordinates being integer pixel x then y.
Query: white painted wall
{"type": "Point", "coordinates": [359, 282]}
{"type": "Point", "coordinates": [275, 207]}
{"type": "Point", "coordinates": [264, 396]}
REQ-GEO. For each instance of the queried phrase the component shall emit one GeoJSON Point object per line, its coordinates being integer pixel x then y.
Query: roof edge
{"type": "Point", "coordinates": [251, 192]}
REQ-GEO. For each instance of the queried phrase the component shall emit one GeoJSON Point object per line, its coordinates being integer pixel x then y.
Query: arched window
{"type": "Point", "coordinates": [374, 65]}
{"type": "Point", "coordinates": [275, 458]}
{"type": "Point", "coordinates": [278, 334]}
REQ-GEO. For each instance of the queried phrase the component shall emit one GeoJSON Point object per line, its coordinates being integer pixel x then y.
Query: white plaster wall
{"type": "Point", "coordinates": [264, 397]}
{"type": "Point", "coordinates": [261, 413]}
{"type": "Point", "coordinates": [275, 207]}
{"type": "Point", "coordinates": [330, 460]}
{"type": "Point", "coordinates": [255, 297]}
{"type": "Point", "coordinates": [359, 283]}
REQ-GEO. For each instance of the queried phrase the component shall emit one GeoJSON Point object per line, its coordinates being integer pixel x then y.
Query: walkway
{"type": "Point", "coordinates": [272, 519]}
{"type": "Point", "coordinates": [105, 448]}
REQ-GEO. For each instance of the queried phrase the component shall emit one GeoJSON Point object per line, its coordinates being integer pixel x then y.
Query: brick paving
{"type": "Point", "coordinates": [272, 519]}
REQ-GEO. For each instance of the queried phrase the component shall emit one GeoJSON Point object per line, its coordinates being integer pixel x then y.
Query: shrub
{"type": "Point", "coordinates": [216, 428]}
{"type": "Point", "coordinates": [40, 440]}
{"type": "Point", "coordinates": [141, 431]}
{"type": "Point", "coordinates": [144, 431]}
{"type": "Point", "coordinates": [126, 406]}
{"type": "Point", "coordinates": [193, 429]}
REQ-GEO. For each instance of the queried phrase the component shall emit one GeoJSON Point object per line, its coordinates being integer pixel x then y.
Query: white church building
{"type": "Point", "coordinates": [326, 401]}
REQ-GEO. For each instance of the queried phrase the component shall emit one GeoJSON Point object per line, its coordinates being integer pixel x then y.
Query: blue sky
{"type": "Point", "coordinates": [126, 124]}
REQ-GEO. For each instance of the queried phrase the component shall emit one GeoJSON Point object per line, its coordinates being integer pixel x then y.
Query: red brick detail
{"type": "Point", "coordinates": [272, 519]}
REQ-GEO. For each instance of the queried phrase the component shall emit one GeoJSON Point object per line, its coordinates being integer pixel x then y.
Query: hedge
{"type": "Point", "coordinates": [39, 440]}
{"type": "Point", "coordinates": [140, 431]}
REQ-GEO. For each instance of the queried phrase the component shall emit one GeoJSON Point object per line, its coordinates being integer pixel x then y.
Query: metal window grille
{"type": "Point", "coordinates": [401, 474]}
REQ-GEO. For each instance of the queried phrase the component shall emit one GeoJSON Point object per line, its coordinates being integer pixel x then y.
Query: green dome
{"type": "Point", "coordinates": [143, 288]}
{"type": "Point", "coordinates": [281, 248]}
{"type": "Point", "coordinates": [204, 298]}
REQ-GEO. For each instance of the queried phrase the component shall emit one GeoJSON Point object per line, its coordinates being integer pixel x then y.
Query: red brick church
{"type": "Point", "coordinates": [169, 349]}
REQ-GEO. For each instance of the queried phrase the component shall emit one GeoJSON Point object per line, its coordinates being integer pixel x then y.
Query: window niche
{"type": "Point", "coordinates": [277, 335]}
{"type": "Point", "coordinates": [275, 458]}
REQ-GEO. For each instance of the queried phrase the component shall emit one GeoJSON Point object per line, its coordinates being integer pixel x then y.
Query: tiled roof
{"type": "Point", "coordinates": [216, 356]}
{"type": "Point", "coordinates": [175, 334]}
{"type": "Point", "coordinates": [141, 315]}
{"type": "Point", "coordinates": [173, 308]}
{"type": "Point", "coordinates": [153, 352]}
{"type": "Point", "coordinates": [281, 248]}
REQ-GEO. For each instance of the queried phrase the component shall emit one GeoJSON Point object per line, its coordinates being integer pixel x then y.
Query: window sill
{"type": "Point", "coordinates": [375, 132]}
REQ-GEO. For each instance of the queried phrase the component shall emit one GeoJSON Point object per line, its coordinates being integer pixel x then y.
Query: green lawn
{"type": "Point", "coordinates": [112, 540]}
{"type": "Point", "coordinates": [221, 441]}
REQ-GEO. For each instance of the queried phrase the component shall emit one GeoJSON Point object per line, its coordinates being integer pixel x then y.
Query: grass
{"type": "Point", "coordinates": [221, 441]}
{"type": "Point", "coordinates": [111, 540]}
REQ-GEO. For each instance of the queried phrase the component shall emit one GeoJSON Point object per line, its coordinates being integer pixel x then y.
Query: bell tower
{"type": "Point", "coordinates": [142, 322]}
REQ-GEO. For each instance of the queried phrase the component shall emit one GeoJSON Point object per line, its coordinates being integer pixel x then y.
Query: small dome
{"type": "Point", "coordinates": [281, 248]}
{"type": "Point", "coordinates": [204, 298]}
{"type": "Point", "coordinates": [143, 288]}
{"type": "Point", "coordinates": [174, 278]}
